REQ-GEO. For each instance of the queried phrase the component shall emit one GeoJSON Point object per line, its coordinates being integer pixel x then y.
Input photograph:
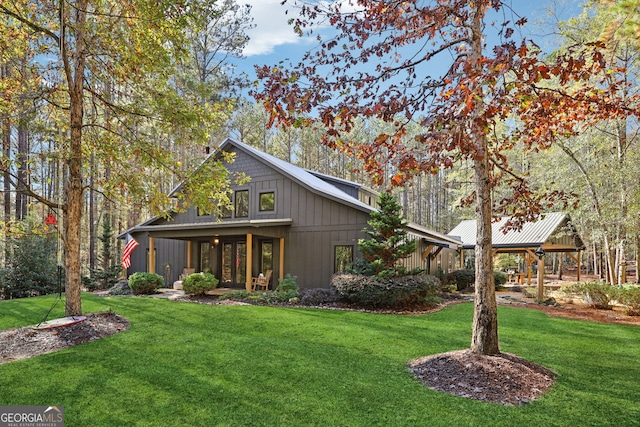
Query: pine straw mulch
{"type": "Point", "coordinates": [27, 341]}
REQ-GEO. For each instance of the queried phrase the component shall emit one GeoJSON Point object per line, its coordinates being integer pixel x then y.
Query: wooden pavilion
{"type": "Point", "coordinates": [553, 232]}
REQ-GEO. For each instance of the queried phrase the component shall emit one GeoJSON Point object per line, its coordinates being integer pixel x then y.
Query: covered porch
{"type": "Point", "coordinates": [233, 251]}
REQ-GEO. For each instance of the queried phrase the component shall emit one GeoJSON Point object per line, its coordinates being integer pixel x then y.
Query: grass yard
{"type": "Point", "coordinates": [184, 364]}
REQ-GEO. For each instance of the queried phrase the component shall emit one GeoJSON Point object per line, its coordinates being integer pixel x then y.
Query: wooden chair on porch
{"type": "Point", "coordinates": [261, 282]}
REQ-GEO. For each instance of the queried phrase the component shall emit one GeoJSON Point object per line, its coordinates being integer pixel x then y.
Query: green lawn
{"type": "Point", "coordinates": [185, 364]}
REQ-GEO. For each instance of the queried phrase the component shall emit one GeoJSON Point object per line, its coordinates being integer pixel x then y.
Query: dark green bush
{"type": "Point", "coordinates": [466, 279]}
{"type": "Point", "coordinates": [318, 296]}
{"type": "Point", "coordinates": [199, 283]}
{"type": "Point", "coordinates": [374, 291]}
{"type": "Point", "coordinates": [31, 268]}
{"type": "Point", "coordinates": [596, 294]}
{"type": "Point", "coordinates": [499, 279]}
{"type": "Point", "coordinates": [462, 279]}
{"type": "Point", "coordinates": [145, 283]}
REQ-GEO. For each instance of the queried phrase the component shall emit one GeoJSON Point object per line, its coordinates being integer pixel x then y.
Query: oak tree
{"type": "Point", "coordinates": [476, 92]}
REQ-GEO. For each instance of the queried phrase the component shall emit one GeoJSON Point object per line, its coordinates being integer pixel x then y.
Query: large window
{"type": "Point", "coordinates": [267, 201]}
{"type": "Point", "coordinates": [242, 204]}
{"type": "Point", "coordinates": [343, 256]}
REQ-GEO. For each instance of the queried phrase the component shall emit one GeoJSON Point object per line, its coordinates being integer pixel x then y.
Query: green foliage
{"type": "Point", "coordinates": [106, 275]}
{"type": "Point", "coordinates": [462, 279]}
{"type": "Point", "coordinates": [289, 283]}
{"type": "Point", "coordinates": [388, 241]}
{"type": "Point", "coordinates": [199, 283]}
{"type": "Point", "coordinates": [465, 279]}
{"type": "Point", "coordinates": [376, 291]}
{"type": "Point", "coordinates": [505, 262]}
{"type": "Point", "coordinates": [630, 297]}
{"type": "Point", "coordinates": [499, 279]}
{"type": "Point", "coordinates": [596, 294]}
{"type": "Point", "coordinates": [31, 269]}
{"type": "Point", "coordinates": [145, 283]}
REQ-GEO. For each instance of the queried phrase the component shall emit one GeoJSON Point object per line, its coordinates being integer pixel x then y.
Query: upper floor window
{"type": "Point", "coordinates": [267, 201]}
{"type": "Point", "coordinates": [242, 204]}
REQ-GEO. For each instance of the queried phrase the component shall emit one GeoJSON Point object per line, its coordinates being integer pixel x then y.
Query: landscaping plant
{"type": "Point", "coordinates": [199, 283]}
{"type": "Point", "coordinates": [145, 283]}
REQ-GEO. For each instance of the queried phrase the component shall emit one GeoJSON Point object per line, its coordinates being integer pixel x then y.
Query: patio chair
{"type": "Point", "coordinates": [261, 281]}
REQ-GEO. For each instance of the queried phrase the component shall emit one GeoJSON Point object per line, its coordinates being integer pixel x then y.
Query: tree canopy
{"type": "Point", "coordinates": [494, 94]}
{"type": "Point", "coordinates": [107, 76]}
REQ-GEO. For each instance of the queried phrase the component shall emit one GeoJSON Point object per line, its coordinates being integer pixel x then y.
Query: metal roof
{"type": "Point", "coordinates": [300, 175]}
{"type": "Point", "coordinates": [308, 179]}
{"type": "Point", "coordinates": [532, 234]}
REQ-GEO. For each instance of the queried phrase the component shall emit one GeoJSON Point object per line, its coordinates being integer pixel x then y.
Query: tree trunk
{"type": "Point", "coordinates": [484, 339]}
{"type": "Point", "coordinates": [22, 158]}
{"type": "Point", "coordinates": [73, 184]}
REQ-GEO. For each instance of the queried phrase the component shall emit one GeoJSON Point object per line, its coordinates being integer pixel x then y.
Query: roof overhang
{"type": "Point", "coordinates": [221, 228]}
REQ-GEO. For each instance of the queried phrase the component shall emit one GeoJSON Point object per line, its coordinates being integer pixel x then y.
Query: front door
{"type": "Point", "coordinates": [234, 264]}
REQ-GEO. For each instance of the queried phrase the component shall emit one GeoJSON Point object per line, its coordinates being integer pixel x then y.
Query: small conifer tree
{"type": "Point", "coordinates": [389, 242]}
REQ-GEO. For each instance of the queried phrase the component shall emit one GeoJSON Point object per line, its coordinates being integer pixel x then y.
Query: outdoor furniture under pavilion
{"type": "Point", "coordinates": [261, 281]}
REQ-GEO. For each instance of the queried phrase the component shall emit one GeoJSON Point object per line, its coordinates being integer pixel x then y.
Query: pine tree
{"type": "Point", "coordinates": [389, 242]}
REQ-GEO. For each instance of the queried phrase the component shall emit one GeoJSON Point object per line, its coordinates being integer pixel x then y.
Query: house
{"type": "Point", "coordinates": [553, 232]}
{"type": "Point", "coordinates": [286, 219]}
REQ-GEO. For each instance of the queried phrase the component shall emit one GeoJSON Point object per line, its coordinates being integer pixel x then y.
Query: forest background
{"type": "Point", "coordinates": [130, 181]}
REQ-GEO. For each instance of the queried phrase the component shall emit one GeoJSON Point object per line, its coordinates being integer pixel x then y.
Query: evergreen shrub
{"type": "Point", "coordinates": [199, 283]}
{"type": "Point", "coordinates": [376, 291]}
{"type": "Point", "coordinates": [31, 268]}
{"type": "Point", "coordinates": [145, 283]}
{"type": "Point", "coordinates": [466, 279]}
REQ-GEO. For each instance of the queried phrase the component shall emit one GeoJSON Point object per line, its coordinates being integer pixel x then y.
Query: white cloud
{"type": "Point", "coordinates": [272, 29]}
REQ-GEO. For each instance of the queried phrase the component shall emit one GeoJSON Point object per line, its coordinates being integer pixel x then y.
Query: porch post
{"type": "Point", "coordinates": [152, 258]}
{"type": "Point", "coordinates": [281, 263]}
{"type": "Point", "coordinates": [249, 261]}
{"type": "Point", "coordinates": [541, 278]}
{"type": "Point", "coordinates": [579, 260]}
{"type": "Point", "coordinates": [189, 253]}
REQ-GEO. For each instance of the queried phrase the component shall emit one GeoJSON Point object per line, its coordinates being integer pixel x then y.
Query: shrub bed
{"type": "Point", "coordinates": [145, 283]}
{"type": "Point", "coordinates": [629, 296]}
{"type": "Point", "coordinates": [595, 294]}
{"type": "Point", "coordinates": [375, 291]}
{"type": "Point", "coordinates": [199, 283]}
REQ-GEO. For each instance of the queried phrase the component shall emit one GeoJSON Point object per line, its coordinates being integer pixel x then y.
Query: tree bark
{"type": "Point", "coordinates": [73, 184]}
{"type": "Point", "coordinates": [484, 339]}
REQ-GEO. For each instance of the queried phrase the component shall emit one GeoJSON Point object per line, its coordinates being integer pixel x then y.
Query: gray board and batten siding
{"type": "Point", "coordinates": [312, 214]}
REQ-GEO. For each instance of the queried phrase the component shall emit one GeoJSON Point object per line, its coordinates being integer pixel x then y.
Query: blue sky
{"type": "Point", "coordinates": [273, 40]}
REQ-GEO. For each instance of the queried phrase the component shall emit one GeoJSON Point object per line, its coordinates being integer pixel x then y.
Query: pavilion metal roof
{"type": "Point", "coordinates": [532, 234]}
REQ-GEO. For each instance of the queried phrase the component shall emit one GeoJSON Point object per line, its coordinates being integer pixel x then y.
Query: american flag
{"type": "Point", "coordinates": [129, 247]}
